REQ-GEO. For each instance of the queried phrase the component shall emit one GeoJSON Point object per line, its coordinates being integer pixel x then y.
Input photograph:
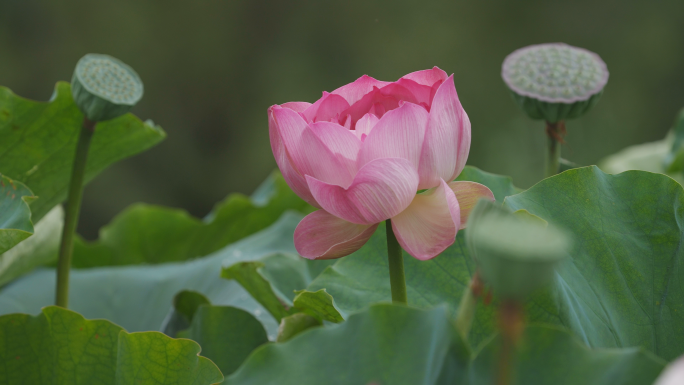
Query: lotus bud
{"type": "Point", "coordinates": [515, 254]}
{"type": "Point", "coordinates": [104, 88]}
{"type": "Point", "coordinates": [556, 81]}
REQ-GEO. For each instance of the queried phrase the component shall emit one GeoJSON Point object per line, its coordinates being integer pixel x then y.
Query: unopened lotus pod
{"type": "Point", "coordinates": [515, 254]}
{"type": "Point", "coordinates": [554, 81]}
{"type": "Point", "coordinates": [104, 88]}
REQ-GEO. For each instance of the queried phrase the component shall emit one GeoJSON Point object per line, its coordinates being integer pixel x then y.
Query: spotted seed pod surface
{"type": "Point", "coordinates": [555, 73]}
{"type": "Point", "coordinates": [104, 88]}
{"type": "Point", "coordinates": [109, 78]}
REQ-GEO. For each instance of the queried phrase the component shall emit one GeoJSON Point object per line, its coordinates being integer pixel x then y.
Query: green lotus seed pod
{"type": "Point", "coordinates": [554, 81]}
{"type": "Point", "coordinates": [104, 88]}
{"type": "Point", "coordinates": [515, 254]}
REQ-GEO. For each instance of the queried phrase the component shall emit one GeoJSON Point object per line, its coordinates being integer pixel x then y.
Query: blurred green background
{"type": "Point", "coordinates": [212, 68]}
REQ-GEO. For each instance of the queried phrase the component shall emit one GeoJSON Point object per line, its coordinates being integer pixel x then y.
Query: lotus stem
{"type": "Point", "coordinates": [396, 266]}
{"type": "Point", "coordinates": [466, 308]}
{"type": "Point", "coordinates": [511, 325]}
{"type": "Point", "coordinates": [73, 208]}
{"type": "Point", "coordinates": [555, 133]}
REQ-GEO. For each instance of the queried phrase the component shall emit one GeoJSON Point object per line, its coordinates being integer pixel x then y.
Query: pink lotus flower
{"type": "Point", "coordinates": [362, 153]}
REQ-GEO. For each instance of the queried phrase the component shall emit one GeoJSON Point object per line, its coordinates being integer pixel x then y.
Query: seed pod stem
{"type": "Point", "coordinates": [72, 210]}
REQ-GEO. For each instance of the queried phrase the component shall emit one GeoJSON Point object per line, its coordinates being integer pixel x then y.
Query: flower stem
{"type": "Point", "coordinates": [466, 308]}
{"type": "Point", "coordinates": [396, 266]}
{"type": "Point", "coordinates": [72, 210]}
{"type": "Point", "coordinates": [554, 132]}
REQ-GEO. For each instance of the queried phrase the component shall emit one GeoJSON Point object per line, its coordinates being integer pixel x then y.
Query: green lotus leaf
{"type": "Point", "coordinates": [139, 297]}
{"type": "Point", "coordinates": [37, 250]}
{"type": "Point", "coordinates": [15, 214]}
{"type": "Point", "coordinates": [398, 345]}
{"type": "Point", "coordinates": [59, 346]}
{"type": "Point", "coordinates": [362, 278]}
{"type": "Point", "coordinates": [318, 304]}
{"type": "Point", "coordinates": [37, 142]}
{"type": "Point", "coordinates": [184, 306]}
{"type": "Point", "coordinates": [227, 335]}
{"type": "Point", "coordinates": [249, 275]}
{"type": "Point", "coordinates": [387, 344]}
{"type": "Point", "coordinates": [663, 156]}
{"type": "Point", "coordinates": [620, 288]}
{"type": "Point", "coordinates": [147, 234]}
{"type": "Point", "coordinates": [294, 324]}
{"type": "Point", "coordinates": [550, 355]}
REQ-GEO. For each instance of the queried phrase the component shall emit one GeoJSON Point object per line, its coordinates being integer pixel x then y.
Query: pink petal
{"type": "Point", "coordinates": [338, 139]}
{"type": "Point", "coordinates": [398, 134]}
{"type": "Point", "coordinates": [427, 77]}
{"type": "Point", "coordinates": [296, 106]}
{"type": "Point", "coordinates": [327, 107]}
{"type": "Point", "coordinates": [399, 92]}
{"type": "Point", "coordinates": [307, 152]}
{"type": "Point", "coordinates": [293, 178]}
{"type": "Point", "coordinates": [366, 124]}
{"type": "Point", "coordinates": [468, 193]}
{"type": "Point", "coordinates": [381, 189]}
{"type": "Point", "coordinates": [421, 94]}
{"type": "Point", "coordinates": [353, 92]}
{"type": "Point", "coordinates": [429, 225]}
{"type": "Point", "coordinates": [375, 102]}
{"type": "Point", "coordinates": [447, 138]}
{"type": "Point", "coordinates": [673, 373]}
{"type": "Point", "coordinates": [321, 235]}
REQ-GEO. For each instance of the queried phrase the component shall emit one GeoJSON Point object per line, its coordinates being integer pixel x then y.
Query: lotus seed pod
{"type": "Point", "coordinates": [554, 81]}
{"type": "Point", "coordinates": [104, 88]}
{"type": "Point", "coordinates": [515, 255]}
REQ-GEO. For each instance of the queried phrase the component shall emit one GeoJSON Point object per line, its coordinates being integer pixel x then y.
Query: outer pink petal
{"type": "Point", "coordinates": [353, 92]}
{"type": "Point", "coordinates": [366, 124]}
{"type": "Point", "coordinates": [398, 134]}
{"type": "Point", "coordinates": [293, 178]}
{"type": "Point", "coordinates": [447, 138]}
{"type": "Point", "coordinates": [381, 189]}
{"type": "Point", "coordinates": [328, 107]}
{"type": "Point", "coordinates": [429, 225]}
{"type": "Point", "coordinates": [321, 235]}
{"type": "Point", "coordinates": [468, 193]}
{"type": "Point", "coordinates": [296, 106]}
{"type": "Point", "coordinates": [307, 152]}
{"type": "Point", "coordinates": [427, 77]}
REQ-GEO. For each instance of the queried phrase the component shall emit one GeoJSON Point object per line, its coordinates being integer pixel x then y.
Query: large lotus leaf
{"type": "Point", "coordinates": [622, 288]}
{"type": "Point", "coordinates": [651, 157]}
{"type": "Point", "coordinates": [152, 234]}
{"type": "Point", "coordinates": [139, 297]}
{"type": "Point", "coordinates": [15, 214]}
{"type": "Point", "coordinates": [392, 344]}
{"type": "Point", "coordinates": [37, 250]}
{"type": "Point", "coordinates": [362, 278]}
{"type": "Point", "coordinates": [624, 285]}
{"type": "Point", "coordinates": [38, 141]}
{"type": "Point", "coordinates": [387, 344]}
{"type": "Point", "coordinates": [183, 308]}
{"type": "Point", "coordinates": [549, 355]}
{"type": "Point", "coordinates": [59, 346]}
{"type": "Point", "coordinates": [227, 335]}
{"type": "Point", "coordinates": [274, 280]}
